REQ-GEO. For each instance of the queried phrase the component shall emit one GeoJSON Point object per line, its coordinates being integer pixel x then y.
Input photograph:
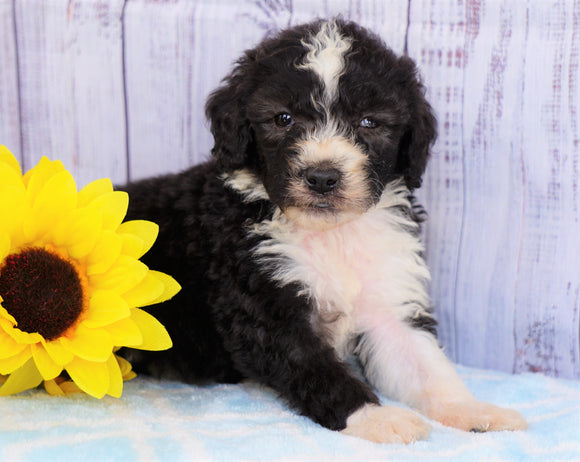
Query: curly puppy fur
{"type": "Point", "coordinates": [297, 243]}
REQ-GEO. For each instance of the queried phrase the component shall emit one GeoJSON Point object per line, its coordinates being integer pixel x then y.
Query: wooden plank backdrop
{"type": "Point", "coordinates": [117, 87]}
{"type": "Point", "coordinates": [9, 103]}
{"type": "Point", "coordinates": [71, 85]}
{"type": "Point", "coordinates": [504, 241]}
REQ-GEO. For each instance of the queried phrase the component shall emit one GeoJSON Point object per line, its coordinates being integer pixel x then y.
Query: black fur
{"type": "Point", "coordinates": [231, 320]}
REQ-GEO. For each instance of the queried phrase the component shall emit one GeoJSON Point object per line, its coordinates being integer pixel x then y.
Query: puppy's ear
{"type": "Point", "coordinates": [226, 111]}
{"type": "Point", "coordinates": [421, 132]}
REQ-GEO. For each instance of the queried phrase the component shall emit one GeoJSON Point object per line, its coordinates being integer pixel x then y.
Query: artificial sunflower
{"type": "Point", "coordinates": [71, 282]}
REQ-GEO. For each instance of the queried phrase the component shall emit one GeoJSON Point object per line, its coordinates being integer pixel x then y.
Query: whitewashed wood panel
{"type": "Point", "coordinates": [490, 240]}
{"type": "Point", "coordinates": [9, 105]}
{"type": "Point", "coordinates": [503, 234]}
{"type": "Point", "coordinates": [548, 271]}
{"type": "Point", "coordinates": [159, 54]}
{"type": "Point", "coordinates": [71, 85]}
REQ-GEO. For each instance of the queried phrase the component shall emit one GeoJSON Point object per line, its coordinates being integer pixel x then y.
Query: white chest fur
{"type": "Point", "coordinates": [366, 267]}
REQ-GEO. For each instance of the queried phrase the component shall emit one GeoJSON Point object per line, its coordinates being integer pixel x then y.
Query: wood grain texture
{"type": "Point", "coordinates": [547, 301]}
{"type": "Point", "coordinates": [9, 101]}
{"type": "Point", "coordinates": [159, 56]}
{"type": "Point", "coordinates": [117, 88]}
{"type": "Point", "coordinates": [71, 85]}
{"type": "Point", "coordinates": [501, 189]}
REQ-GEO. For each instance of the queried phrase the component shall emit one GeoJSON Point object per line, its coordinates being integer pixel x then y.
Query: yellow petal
{"type": "Point", "coordinates": [115, 378]}
{"type": "Point", "coordinates": [70, 387]}
{"type": "Point", "coordinates": [61, 387]}
{"type": "Point", "coordinates": [17, 334]}
{"type": "Point", "coordinates": [8, 346]}
{"type": "Point", "coordinates": [7, 321]}
{"type": "Point", "coordinates": [125, 274]}
{"type": "Point", "coordinates": [114, 206]}
{"type": "Point", "coordinates": [89, 344]}
{"type": "Point", "coordinates": [91, 377]}
{"type": "Point", "coordinates": [14, 208]}
{"type": "Point", "coordinates": [125, 332]}
{"type": "Point", "coordinates": [10, 177]}
{"type": "Point", "coordinates": [36, 177]}
{"type": "Point", "coordinates": [8, 158]}
{"type": "Point", "coordinates": [24, 378]}
{"type": "Point", "coordinates": [79, 231]}
{"type": "Point", "coordinates": [106, 307]}
{"type": "Point", "coordinates": [93, 190]}
{"type": "Point", "coordinates": [44, 363]}
{"type": "Point", "coordinates": [4, 247]}
{"type": "Point", "coordinates": [11, 364]}
{"type": "Point", "coordinates": [171, 287]}
{"type": "Point", "coordinates": [52, 388]}
{"type": "Point", "coordinates": [105, 253]}
{"type": "Point", "coordinates": [144, 293]}
{"type": "Point", "coordinates": [54, 202]}
{"type": "Point", "coordinates": [126, 368]}
{"type": "Point", "coordinates": [146, 231]}
{"type": "Point", "coordinates": [155, 336]}
{"type": "Point", "coordinates": [60, 187]}
{"type": "Point", "coordinates": [58, 352]}
{"type": "Point", "coordinates": [132, 245]}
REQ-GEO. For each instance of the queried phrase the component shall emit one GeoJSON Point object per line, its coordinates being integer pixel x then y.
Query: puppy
{"type": "Point", "coordinates": [297, 244]}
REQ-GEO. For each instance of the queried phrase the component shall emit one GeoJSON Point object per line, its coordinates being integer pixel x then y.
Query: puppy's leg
{"type": "Point", "coordinates": [407, 364]}
{"type": "Point", "coordinates": [272, 340]}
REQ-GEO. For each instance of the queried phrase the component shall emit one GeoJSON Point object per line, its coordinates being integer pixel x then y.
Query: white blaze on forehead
{"type": "Point", "coordinates": [325, 57]}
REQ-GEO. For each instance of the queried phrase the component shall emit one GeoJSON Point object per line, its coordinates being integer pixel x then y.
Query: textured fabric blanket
{"type": "Point", "coordinates": [157, 420]}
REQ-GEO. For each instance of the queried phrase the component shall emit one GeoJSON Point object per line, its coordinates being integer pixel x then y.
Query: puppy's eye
{"type": "Point", "coordinates": [283, 120]}
{"type": "Point", "coordinates": [367, 122]}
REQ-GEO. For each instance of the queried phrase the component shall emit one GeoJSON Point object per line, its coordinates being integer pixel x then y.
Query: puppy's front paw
{"type": "Point", "coordinates": [386, 424]}
{"type": "Point", "coordinates": [479, 417]}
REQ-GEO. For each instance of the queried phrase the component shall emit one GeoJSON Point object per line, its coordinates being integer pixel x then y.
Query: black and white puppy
{"type": "Point", "coordinates": [297, 244]}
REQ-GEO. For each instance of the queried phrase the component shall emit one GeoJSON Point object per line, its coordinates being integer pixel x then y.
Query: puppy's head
{"type": "Point", "coordinates": [324, 115]}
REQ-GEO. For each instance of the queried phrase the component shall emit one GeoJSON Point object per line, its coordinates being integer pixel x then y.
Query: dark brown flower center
{"type": "Point", "coordinates": [42, 291]}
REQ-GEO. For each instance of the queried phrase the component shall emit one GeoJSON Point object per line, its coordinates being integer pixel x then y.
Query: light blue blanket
{"type": "Point", "coordinates": [170, 421]}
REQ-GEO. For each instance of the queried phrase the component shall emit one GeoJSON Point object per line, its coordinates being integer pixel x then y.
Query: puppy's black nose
{"type": "Point", "coordinates": [322, 180]}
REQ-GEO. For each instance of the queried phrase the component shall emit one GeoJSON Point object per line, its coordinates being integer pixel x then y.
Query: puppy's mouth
{"type": "Point", "coordinates": [319, 203]}
{"type": "Point", "coordinates": [316, 212]}
{"type": "Point", "coordinates": [322, 205]}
